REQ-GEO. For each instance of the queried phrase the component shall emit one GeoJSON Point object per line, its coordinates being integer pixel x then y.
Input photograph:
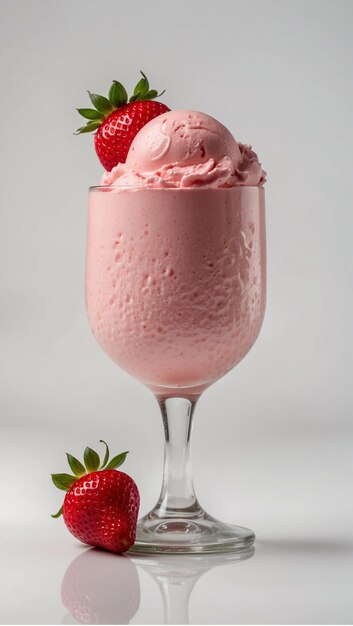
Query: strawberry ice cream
{"type": "Point", "coordinates": [176, 254]}
{"type": "Point", "coordinates": [186, 149]}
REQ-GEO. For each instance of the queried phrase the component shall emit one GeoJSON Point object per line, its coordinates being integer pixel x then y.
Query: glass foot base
{"type": "Point", "coordinates": [201, 534]}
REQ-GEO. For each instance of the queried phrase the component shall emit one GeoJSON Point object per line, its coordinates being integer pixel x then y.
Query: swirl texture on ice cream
{"type": "Point", "coordinates": [183, 149]}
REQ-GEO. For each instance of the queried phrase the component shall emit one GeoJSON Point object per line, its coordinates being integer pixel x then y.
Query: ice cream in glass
{"type": "Point", "coordinates": [175, 292]}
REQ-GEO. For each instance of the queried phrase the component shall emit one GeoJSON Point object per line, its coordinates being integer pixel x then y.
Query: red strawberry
{"type": "Point", "coordinates": [101, 505]}
{"type": "Point", "coordinates": [117, 121]}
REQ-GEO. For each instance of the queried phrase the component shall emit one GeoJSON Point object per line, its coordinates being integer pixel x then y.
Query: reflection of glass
{"type": "Point", "coordinates": [176, 577]}
{"type": "Point", "coordinates": [101, 588]}
{"type": "Point", "coordinates": [175, 292]}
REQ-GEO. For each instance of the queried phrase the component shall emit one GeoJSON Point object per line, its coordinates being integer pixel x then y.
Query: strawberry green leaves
{"type": "Point", "coordinates": [63, 481]}
{"type": "Point", "coordinates": [103, 108]}
{"type": "Point", "coordinates": [95, 119]}
{"type": "Point", "coordinates": [75, 465]}
{"type": "Point", "coordinates": [89, 128]}
{"type": "Point", "coordinates": [90, 114]}
{"type": "Point", "coordinates": [117, 98]}
{"type": "Point", "coordinates": [60, 511]}
{"type": "Point", "coordinates": [117, 94]}
{"type": "Point", "coordinates": [101, 103]}
{"type": "Point", "coordinates": [91, 461]}
{"type": "Point", "coordinates": [142, 90]}
{"type": "Point", "coordinates": [117, 461]}
{"type": "Point", "coordinates": [152, 93]}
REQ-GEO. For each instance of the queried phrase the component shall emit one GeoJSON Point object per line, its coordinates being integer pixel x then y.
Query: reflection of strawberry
{"type": "Point", "coordinates": [117, 121]}
{"type": "Point", "coordinates": [101, 588]}
{"type": "Point", "coordinates": [101, 504]}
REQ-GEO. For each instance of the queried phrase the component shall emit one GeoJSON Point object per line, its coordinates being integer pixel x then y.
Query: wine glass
{"type": "Point", "coordinates": [175, 294]}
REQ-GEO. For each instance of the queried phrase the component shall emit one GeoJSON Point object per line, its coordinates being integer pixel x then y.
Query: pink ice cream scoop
{"type": "Point", "coordinates": [186, 149]}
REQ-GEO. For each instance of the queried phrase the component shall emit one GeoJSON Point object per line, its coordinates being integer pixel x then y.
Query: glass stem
{"type": "Point", "coordinates": [177, 497]}
{"type": "Point", "coordinates": [176, 593]}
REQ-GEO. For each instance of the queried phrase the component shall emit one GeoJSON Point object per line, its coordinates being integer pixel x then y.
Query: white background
{"type": "Point", "coordinates": [272, 446]}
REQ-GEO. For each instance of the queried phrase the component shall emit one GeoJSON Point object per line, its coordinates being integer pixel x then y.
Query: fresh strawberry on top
{"type": "Point", "coordinates": [117, 120]}
{"type": "Point", "coordinates": [101, 505]}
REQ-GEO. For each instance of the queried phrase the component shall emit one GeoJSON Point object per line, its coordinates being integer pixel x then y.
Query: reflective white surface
{"type": "Point", "coordinates": [272, 445]}
{"type": "Point", "coordinates": [293, 491]}
{"type": "Point", "coordinates": [51, 579]}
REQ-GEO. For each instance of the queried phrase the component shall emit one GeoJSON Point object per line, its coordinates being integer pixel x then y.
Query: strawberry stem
{"type": "Point", "coordinates": [106, 456]}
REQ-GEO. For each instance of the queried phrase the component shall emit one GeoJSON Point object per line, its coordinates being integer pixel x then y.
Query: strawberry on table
{"type": "Point", "coordinates": [117, 120]}
{"type": "Point", "coordinates": [101, 505]}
